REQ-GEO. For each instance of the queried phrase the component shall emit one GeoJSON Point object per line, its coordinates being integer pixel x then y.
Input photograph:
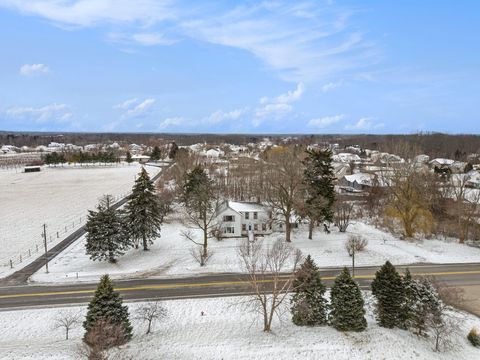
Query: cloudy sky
{"type": "Point", "coordinates": [240, 66]}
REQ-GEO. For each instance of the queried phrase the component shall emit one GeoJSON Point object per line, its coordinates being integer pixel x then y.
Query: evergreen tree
{"type": "Point", "coordinates": [423, 301]}
{"type": "Point", "coordinates": [156, 153]}
{"type": "Point", "coordinates": [407, 308]}
{"type": "Point", "coordinates": [389, 290]}
{"type": "Point", "coordinates": [128, 158]}
{"type": "Point", "coordinates": [107, 305]}
{"type": "Point", "coordinates": [347, 311]}
{"type": "Point", "coordinates": [106, 236]}
{"type": "Point", "coordinates": [309, 307]}
{"type": "Point", "coordinates": [173, 150]}
{"type": "Point", "coordinates": [144, 213]}
{"type": "Point", "coordinates": [198, 196]}
{"type": "Point", "coordinates": [319, 179]}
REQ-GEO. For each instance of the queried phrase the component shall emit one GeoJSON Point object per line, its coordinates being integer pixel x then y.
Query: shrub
{"type": "Point", "coordinates": [474, 337]}
{"type": "Point", "coordinates": [355, 243]}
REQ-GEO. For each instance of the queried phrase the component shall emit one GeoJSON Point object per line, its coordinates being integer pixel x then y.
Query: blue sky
{"type": "Point", "coordinates": [240, 66]}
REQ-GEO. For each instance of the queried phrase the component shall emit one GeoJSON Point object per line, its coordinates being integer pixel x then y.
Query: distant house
{"type": "Point", "coordinates": [236, 219]}
{"type": "Point", "coordinates": [29, 169]}
{"type": "Point", "coordinates": [356, 182]}
{"type": "Point", "coordinates": [142, 159]}
{"type": "Point", "coordinates": [447, 166]}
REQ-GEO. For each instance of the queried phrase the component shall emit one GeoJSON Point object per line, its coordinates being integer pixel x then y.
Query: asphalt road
{"type": "Point", "coordinates": [25, 296]}
{"type": "Point", "coordinates": [21, 276]}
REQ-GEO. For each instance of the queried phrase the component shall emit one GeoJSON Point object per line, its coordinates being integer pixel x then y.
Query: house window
{"type": "Point", "coordinates": [269, 214]}
{"type": "Point", "coordinates": [247, 215]}
{"type": "Point", "coordinates": [255, 227]}
{"type": "Point", "coordinates": [228, 218]}
{"type": "Point", "coordinates": [264, 227]}
{"type": "Point", "coordinates": [244, 227]}
{"type": "Point", "coordinates": [229, 230]}
{"type": "Point", "coordinates": [255, 215]}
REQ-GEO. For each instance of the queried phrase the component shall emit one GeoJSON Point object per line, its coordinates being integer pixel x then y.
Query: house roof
{"type": "Point", "coordinates": [245, 206]}
{"type": "Point", "coordinates": [442, 161]}
{"type": "Point", "coordinates": [360, 178]}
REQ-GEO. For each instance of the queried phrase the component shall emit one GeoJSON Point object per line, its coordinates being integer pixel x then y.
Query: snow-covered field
{"type": "Point", "coordinates": [58, 197]}
{"type": "Point", "coordinates": [227, 331]}
{"type": "Point", "coordinates": [170, 254]}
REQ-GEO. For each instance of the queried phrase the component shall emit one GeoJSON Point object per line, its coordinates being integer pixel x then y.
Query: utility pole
{"type": "Point", "coordinates": [45, 244]}
{"type": "Point", "coordinates": [353, 261]}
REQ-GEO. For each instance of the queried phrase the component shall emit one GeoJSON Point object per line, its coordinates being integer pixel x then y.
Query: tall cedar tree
{"type": "Point", "coordinates": [128, 158]}
{"type": "Point", "coordinates": [156, 153]}
{"type": "Point", "coordinates": [422, 301]}
{"type": "Point", "coordinates": [309, 307]}
{"type": "Point", "coordinates": [144, 213]}
{"type": "Point", "coordinates": [107, 305]}
{"type": "Point", "coordinates": [106, 236]}
{"type": "Point", "coordinates": [173, 150]}
{"type": "Point", "coordinates": [319, 178]}
{"type": "Point", "coordinates": [389, 290]}
{"type": "Point", "coordinates": [347, 311]}
{"type": "Point", "coordinates": [198, 197]}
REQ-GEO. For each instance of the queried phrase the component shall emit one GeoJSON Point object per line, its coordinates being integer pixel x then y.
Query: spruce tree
{"type": "Point", "coordinates": [309, 307]}
{"type": "Point", "coordinates": [144, 213]}
{"type": "Point", "coordinates": [347, 305]}
{"type": "Point", "coordinates": [389, 290]}
{"type": "Point", "coordinates": [128, 158]}
{"type": "Point", "coordinates": [156, 153]}
{"type": "Point", "coordinates": [107, 305]}
{"type": "Point", "coordinates": [106, 237]}
{"type": "Point", "coordinates": [318, 179]}
{"type": "Point", "coordinates": [423, 301]}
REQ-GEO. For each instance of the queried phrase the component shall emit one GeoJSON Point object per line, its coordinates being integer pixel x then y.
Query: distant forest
{"type": "Point", "coordinates": [433, 144]}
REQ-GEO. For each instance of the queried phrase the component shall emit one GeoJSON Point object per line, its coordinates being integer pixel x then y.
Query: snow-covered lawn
{"type": "Point", "coordinates": [227, 331]}
{"type": "Point", "coordinates": [170, 254]}
{"type": "Point", "coordinates": [58, 197]}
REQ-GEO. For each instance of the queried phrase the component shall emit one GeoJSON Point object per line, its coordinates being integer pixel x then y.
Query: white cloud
{"type": "Point", "coordinates": [34, 69]}
{"type": "Point", "coordinates": [53, 112]}
{"type": "Point", "coordinates": [85, 13]}
{"type": "Point", "coordinates": [134, 107]}
{"type": "Point", "coordinates": [366, 123]}
{"type": "Point", "coordinates": [126, 104]}
{"type": "Point", "coordinates": [144, 38]}
{"type": "Point", "coordinates": [278, 107]}
{"type": "Point", "coordinates": [302, 41]}
{"type": "Point", "coordinates": [221, 116]}
{"type": "Point", "coordinates": [326, 121]}
{"type": "Point", "coordinates": [331, 85]}
{"type": "Point", "coordinates": [171, 121]}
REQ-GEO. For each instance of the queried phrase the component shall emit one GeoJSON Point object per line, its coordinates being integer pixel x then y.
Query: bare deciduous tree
{"type": "Point", "coordinates": [408, 202]}
{"type": "Point", "coordinates": [198, 254]}
{"type": "Point", "coordinates": [265, 266]}
{"type": "Point", "coordinates": [151, 312]}
{"type": "Point", "coordinates": [67, 321]}
{"type": "Point", "coordinates": [285, 185]}
{"type": "Point", "coordinates": [342, 212]}
{"type": "Point", "coordinates": [103, 336]}
{"type": "Point", "coordinates": [355, 243]}
{"type": "Point", "coordinates": [443, 326]}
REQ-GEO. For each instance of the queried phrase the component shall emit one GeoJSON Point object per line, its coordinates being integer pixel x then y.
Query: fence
{"type": "Point", "coordinates": [53, 238]}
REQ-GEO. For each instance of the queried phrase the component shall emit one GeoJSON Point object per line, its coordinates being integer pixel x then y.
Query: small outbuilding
{"type": "Point", "coordinates": [33, 168]}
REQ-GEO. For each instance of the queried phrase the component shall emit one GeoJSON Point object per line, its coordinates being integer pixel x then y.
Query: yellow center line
{"type": "Point", "coordinates": [214, 283]}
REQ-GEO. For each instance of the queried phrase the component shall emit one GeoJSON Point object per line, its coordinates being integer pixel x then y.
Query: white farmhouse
{"type": "Point", "coordinates": [236, 219]}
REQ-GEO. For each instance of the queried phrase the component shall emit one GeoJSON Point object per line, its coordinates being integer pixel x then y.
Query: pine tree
{"type": "Point", "coordinates": [423, 301]}
{"type": "Point", "coordinates": [156, 153]}
{"type": "Point", "coordinates": [128, 158]}
{"type": "Point", "coordinates": [107, 305]}
{"type": "Point", "coordinates": [106, 237]}
{"type": "Point", "coordinates": [144, 213]}
{"type": "Point", "coordinates": [198, 196]}
{"type": "Point", "coordinates": [347, 311]}
{"type": "Point", "coordinates": [389, 290]}
{"type": "Point", "coordinates": [319, 179]}
{"type": "Point", "coordinates": [309, 307]}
